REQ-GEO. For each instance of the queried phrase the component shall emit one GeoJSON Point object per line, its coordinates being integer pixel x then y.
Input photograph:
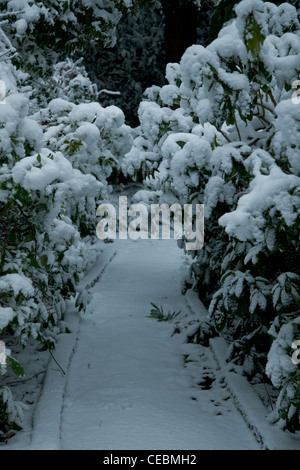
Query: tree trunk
{"type": "Point", "coordinates": [180, 28]}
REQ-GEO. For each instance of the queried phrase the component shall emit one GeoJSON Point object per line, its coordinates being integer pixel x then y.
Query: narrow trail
{"type": "Point", "coordinates": [127, 385]}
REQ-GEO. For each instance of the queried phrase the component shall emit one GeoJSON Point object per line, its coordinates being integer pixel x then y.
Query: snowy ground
{"type": "Point", "coordinates": [129, 383]}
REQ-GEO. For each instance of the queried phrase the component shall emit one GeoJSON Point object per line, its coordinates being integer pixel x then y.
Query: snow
{"type": "Point", "coordinates": [281, 56]}
{"type": "Point", "coordinates": [39, 171]}
{"type": "Point", "coordinates": [186, 161]}
{"type": "Point", "coordinates": [229, 43]}
{"type": "Point", "coordinates": [196, 63]}
{"type": "Point", "coordinates": [266, 191]}
{"type": "Point", "coordinates": [234, 80]}
{"type": "Point", "coordinates": [282, 18]}
{"type": "Point", "coordinates": [21, 26]}
{"type": "Point", "coordinates": [126, 383]}
{"type": "Point", "coordinates": [6, 316]}
{"type": "Point", "coordinates": [169, 93]}
{"type": "Point", "coordinates": [35, 178]}
{"type": "Point", "coordinates": [17, 283]}
{"type": "Point", "coordinates": [58, 105]}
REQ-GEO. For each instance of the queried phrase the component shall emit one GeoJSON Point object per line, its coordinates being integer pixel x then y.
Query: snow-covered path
{"type": "Point", "coordinates": [127, 386]}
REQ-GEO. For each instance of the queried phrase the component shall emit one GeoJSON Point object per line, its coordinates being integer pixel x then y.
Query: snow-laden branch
{"type": "Point", "coordinates": [109, 92]}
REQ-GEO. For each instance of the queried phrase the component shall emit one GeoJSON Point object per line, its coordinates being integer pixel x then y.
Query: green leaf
{"type": "Point", "coordinates": [229, 120]}
{"type": "Point", "coordinates": [181, 143]}
{"type": "Point", "coordinates": [44, 260]}
{"type": "Point", "coordinates": [159, 315]}
{"type": "Point", "coordinates": [33, 262]}
{"type": "Point", "coordinates": [253, 36]}
{"type": "Point", "coordinates": [287, 86]}
{"type": "Point", "coordinates": [16, 366]}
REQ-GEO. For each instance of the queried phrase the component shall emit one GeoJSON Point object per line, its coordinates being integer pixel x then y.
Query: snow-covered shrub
{"type": "Point", "coordinates": [285, 374]}
{"type": "Point", "coordinates": [94, 139]}
{"type": "Point", "coordinates": [69, 81]}
{"type": "Point", "coordinates": [11, 412]}
{"type": "Point", "coordinates": [42, 198]}
{"type": "Point", "coordinates": [45, 37]}
{"type": "Point", "coordinates": [54, 168]}
{"type": "Point", "coordinates": [224, 131]}
{"type": "Point", "coordinates": [43, 32]}
{"type": "Point", "coordinates": [138, 57]}
{"type": "Point", "coordinates": [46, 32]}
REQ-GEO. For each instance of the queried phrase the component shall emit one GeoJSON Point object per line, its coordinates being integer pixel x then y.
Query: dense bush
{"type": "Point", "coordinates": [45, 32]}
{"type": "Point", "coordinates": [224, 132]}
{"type": "Point", "coordinates": [138, 58]}
{"type": "Point", "coordinates": [135, 62]}
{"type": "Point", "coordinates": [56, 157]}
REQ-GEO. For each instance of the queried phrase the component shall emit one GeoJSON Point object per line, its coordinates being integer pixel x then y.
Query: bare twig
{"type": "Point", "coordinates": [272, 98]}
{"type": "Point", "coordinates": [63, 372]}
{"type": "Point", "coordinates": [261, 100]}
{"type": "Point", "coordinates": [237, 127]}
{"type": "Point", "coordinates": [223, 134]}
{"type": "Point", "coordinates": [262, 137]}
{"type": "Point", "coordinates": [9, 57]}
{"type": "Point", "coordinates": [261, 118]}
{"type": "Point", "coordinates": [11, 13]}
{"type": "Point", "coordinates": [267, 108]}
{"type": "Point", "coordinates": [16, 382]}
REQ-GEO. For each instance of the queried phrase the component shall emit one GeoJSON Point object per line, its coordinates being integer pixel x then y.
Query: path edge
{"type": "Point", "coordinates": [268, 435]}
{"type": "Point", "coordinates": [46, 427]}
